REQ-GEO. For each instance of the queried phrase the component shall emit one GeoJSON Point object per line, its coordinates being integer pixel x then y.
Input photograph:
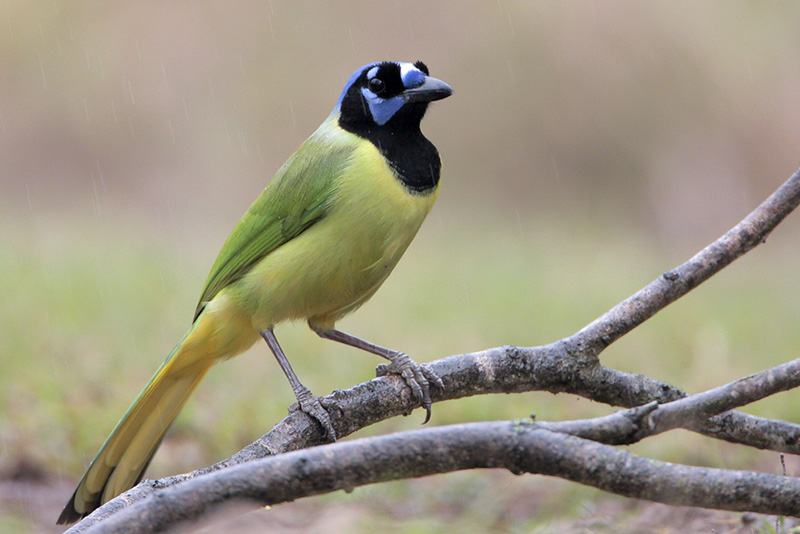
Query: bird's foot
{"type": "Point", "coordinates": [418, 377]}
{"type": "Point", "coordinates": [310, 404]}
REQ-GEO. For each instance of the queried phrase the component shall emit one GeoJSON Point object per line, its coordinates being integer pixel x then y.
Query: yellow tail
{"type": "Point", "coordinates": [127, 452]}
{"type": "Point", "coordinates": [221, 331]}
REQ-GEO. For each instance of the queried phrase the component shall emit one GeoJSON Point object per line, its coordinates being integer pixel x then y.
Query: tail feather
{"type": "Point", "coordinates": [127, 452]}
{"type": "Point", "coordinates": [222, 330]}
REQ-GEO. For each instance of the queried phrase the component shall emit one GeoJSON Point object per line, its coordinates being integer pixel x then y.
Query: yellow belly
{"type": "Point", "coordinates": [337, 264]}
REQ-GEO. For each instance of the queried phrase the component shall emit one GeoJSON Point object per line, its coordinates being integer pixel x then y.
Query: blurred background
{"type": "Point", "coordinates": [588, 148]}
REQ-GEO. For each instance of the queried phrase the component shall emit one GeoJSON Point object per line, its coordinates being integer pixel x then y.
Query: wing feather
{"type": "Point", "coordinates": [298, 196]}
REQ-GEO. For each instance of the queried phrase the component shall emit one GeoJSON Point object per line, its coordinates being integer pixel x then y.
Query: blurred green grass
{"type": "Point", "coordinates": [92, 308]}
{"type": "Point", "coordinates": [588, 149]}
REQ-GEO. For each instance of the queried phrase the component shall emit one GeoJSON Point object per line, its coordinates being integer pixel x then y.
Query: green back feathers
{"type": "Point", "coordinates": [294, 200]}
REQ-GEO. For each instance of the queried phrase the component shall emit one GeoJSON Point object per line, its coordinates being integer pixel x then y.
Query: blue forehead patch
{"type": "Point", "coordinates": [413, 78]}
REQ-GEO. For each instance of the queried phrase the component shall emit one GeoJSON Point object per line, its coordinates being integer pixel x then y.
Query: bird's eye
{"type": "Point", "coordinates": [376, 85]}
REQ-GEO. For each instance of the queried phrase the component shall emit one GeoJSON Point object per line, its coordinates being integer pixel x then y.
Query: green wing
{"type": "Point", "coordinates": [298, 196]}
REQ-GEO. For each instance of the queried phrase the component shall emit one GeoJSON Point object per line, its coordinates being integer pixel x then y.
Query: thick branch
{"type": "Point", "coordinates": [569, 365]}
{"type": "Point", "coordinates": [496, 370]}
{"type": "Point", "coordinates": [622, 427]}
{"type": "Point", "coordinates": [520, 448]}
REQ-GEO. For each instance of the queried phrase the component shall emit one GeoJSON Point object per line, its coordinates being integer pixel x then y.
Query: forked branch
{"type": "Point", "coordinates": [570, 365]}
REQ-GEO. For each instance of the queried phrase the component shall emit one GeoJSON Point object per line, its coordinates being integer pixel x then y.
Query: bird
{"type": "Point", "coordinates": [315, 245]}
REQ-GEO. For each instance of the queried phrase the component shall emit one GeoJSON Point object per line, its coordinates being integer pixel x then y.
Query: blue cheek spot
{"type": "Point", "coordinates": [413, 78]}
{"type": "Point", "coordinates": [382, 110]}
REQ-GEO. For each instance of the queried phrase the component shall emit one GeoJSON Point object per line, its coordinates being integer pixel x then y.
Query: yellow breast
{"type": "Point", "coordinates": [337, 264]}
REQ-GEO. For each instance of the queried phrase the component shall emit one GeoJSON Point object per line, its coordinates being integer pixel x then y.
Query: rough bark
{"type": "Point", "coordinates": [570, 365]}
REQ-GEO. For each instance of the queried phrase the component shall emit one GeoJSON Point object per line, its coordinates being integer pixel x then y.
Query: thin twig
{"type": "Point", "coordinates": [629, 426]}
{"type": "Point", "coordinates": [669, 287]}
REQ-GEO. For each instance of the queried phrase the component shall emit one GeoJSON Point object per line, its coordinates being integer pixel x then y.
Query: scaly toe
{"type": "Point", "coordinates": [432, 377]}
{"type": "Point", "coordinates": [310, 405]}
{"type": "Point", "coordinates": [417, 377]}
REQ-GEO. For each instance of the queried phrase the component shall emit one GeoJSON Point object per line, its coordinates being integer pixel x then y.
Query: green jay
{"type": "Point", "coordinates": [315, 245]}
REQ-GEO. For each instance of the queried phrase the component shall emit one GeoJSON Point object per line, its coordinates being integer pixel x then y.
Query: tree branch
{"type": "Point", "coordinates": [669, 287]}
{"type": "Point", "coordinates": [629, 426]}
{"type": "Point", "coordinates": [692, 412]}
{"type": "Point", "coordinates": [518, 447]}
{"type": "Point", "coordinates": [569, 365]}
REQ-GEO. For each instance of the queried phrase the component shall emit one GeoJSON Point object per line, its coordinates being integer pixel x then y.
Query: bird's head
{"type": "Point", "coordinates": [388, 94]}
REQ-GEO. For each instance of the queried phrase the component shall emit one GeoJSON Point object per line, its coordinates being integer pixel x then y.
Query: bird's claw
{"type": "Point", "coordinates": [418, 377]}
{"type": "Point", "coordinates": [310, 404]}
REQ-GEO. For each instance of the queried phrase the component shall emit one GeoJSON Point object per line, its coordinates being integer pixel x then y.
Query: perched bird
{"type": "Point", "coordinates": [315, 245]}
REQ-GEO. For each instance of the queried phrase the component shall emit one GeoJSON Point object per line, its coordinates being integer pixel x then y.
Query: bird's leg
{"type": "Point", "coordinates": [418, 377]}
{"type": "Point", "coordinates": [308, 403]}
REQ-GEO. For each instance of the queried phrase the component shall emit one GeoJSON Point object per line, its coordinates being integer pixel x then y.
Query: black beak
{"type": "Point", "coordinates": [432, 89]}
